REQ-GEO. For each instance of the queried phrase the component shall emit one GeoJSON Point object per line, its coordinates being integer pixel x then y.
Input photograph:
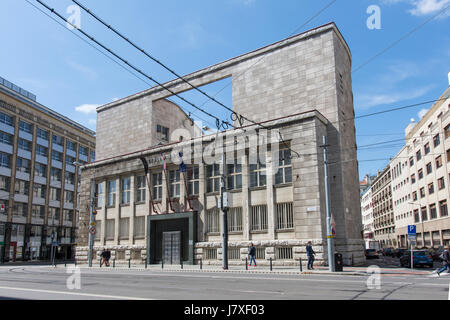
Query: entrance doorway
{"type": "Point", "coordinates": [171, 247]}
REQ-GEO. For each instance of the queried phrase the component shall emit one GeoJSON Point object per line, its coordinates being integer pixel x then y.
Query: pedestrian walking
{"type": "Point", "coordinates": [310, 253]}
{"type": "Point", "coordinates": [446, 257]}
{"type": "Point", "coordinates": [106, 255]}
{"type": "Point", "coordinates": [252, 254]}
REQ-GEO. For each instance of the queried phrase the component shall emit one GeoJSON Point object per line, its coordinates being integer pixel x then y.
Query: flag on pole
{"type": "Point", "coordinates": [163, 163]}
{"type": "Point", "coordinates": [183, 167]}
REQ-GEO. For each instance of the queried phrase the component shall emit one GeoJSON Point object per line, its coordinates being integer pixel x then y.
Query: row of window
{"type": "Point", "coordinates": [18, 230]}
{"type": "Point", "coordinates": [38, 211]}
{"type": "Point", "coordinates": [281, 253]}
{"type": "Point", "coordinates": [213, 178]}
{"type": "Point", "coordinates": [431, 212]}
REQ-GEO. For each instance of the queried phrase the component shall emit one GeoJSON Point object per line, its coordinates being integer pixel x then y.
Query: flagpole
{"type": "Point", "coordinates": [167, 182]}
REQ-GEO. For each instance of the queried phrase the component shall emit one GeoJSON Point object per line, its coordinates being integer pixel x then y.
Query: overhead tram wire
{"type": "Point", "coordinates": [235, 116]}
{"type": "Point", "coordinates": [219, 123]}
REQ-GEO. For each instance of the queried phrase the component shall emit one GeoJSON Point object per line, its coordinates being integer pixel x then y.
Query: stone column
{"type": "Point", "coordinates": [245, 199]}
{"type": "Point", "coordinates": [132, 207]}
{"type": "Point", "coordinates": [270, 196]}
{"type": "Point", "coordinates": [117, 211]}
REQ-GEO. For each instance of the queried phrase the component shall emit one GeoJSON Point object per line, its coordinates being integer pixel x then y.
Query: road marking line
{"type": "Point", "coordinates": [76, 293]}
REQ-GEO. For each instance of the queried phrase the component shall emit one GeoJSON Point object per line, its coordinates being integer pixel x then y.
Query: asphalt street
{"type": "Point", "coordinates": [48, 283]}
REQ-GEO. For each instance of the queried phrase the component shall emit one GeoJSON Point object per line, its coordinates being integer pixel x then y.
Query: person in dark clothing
{"type": "Point", "coordinates": [446, 256]}
{"type": "Point", "coordinates": [310, 253]}
{"type": "Point", "coordinates": [252, 254]}
{"type": "Point", "coordinates": [106, 255]}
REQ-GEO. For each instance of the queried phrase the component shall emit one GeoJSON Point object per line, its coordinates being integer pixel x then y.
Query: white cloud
{"type": "Point", "coordinates": [87, 108]}
{"type": "Point", "coordinates": [422, 113]}
{"type": "Point", "coordinates": [424, 7]}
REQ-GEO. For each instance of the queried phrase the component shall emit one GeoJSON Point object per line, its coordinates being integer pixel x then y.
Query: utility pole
{"type": "Point", "coordinates": [91, 222]}
{"type": "Point", "coordinates": [330, 240]}
{"type": "Point", "coordinates": [224, 209]}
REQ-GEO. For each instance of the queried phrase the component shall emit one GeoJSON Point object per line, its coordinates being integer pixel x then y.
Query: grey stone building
{"type": "Point", "coordinates": [300, 87]}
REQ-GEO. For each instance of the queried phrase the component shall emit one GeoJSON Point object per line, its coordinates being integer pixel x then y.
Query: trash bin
{"type": "Point", "coordinates": [338, 262]}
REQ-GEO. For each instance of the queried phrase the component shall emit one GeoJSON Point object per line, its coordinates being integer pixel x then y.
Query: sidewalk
{"type": "Point", "coordinates": [355, 271]}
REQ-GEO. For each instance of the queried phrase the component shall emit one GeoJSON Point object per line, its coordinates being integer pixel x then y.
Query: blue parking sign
{"type": "Point", "coordinates": [411, 230]}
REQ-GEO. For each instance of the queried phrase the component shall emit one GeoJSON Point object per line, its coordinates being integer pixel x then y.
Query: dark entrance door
{"type": "Point", "coordinates": [172, 247]}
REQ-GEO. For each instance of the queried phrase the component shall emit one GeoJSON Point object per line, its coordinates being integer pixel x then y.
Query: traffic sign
{"type": "Point", "coordinates": [92, 230]}
{"type": "Point", "coordinates": [92, 224]}
{"type": "Point", "coordinates": [412, 231]}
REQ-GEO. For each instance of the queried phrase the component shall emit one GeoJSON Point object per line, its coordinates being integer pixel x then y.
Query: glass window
{"type": "Point", "coordinates": [157, 186]}
{"type": "Point", "coordinates": [70, 160]}
{"type": "Point", "coordinates": [174, 183]}
{"type": "Point", "coordinates": [4, 183]}
{"type": "Point", "coordinates": [23, 165]}
{"type": "Point", "coordinates": [38, 211]}
{"type": "Point", "coordinates": [111, 193]}
{"type": "Point", "coordinates": [92, 156]}
{"type": "Point", "coordinates": [429, 168]}
{"type": "Point", "coordinates": [83, 151]}
{"type": "Point", "coordinates": [193, 177]}
{"type": "Point", "coordinates": [20, 209]}
{"type": "Point", "coordinates": [55, 194]}
{"type": "Point", "coordinates": [22, 187]}
{"type": "Point", "coordinates": [436, 140]}
{"type": "Point", "coordinates": [284, 174]}
{"type": "Point", "coordinates": [257, 175]}
{"type": "Point", "coordinates": [140, 188]}
{"type": "Point", "coordinates": [71, 146]}
{"type": "Point", "coordinates": [55, 174]}
{"type": "Point", "coordinates": [441, 183]}
{"type": "Point", "coordinates": [68, 196]}
{"type": "Point", "coordinates": [42, 134]}
{"type": "Point", "coordinates": [213, 177]}
{"type": "Point", "coordinates": [99, 194]}
{"type": "Point", "coordinates": [58, 140]}
{"type": "Point", "coordinates": [26, 127]}
{"type": "Point", "coordinates": [427, 148]}
{"type": "Point", "coordinates": [162, 133]}
{"type": "Point", "coordinates": [58, 156]}
{"type": "Point", "coordinates": [24, 145]}
{"type": "Point", "coordinates": [234, 176]}
{"type": "Point", "coordinates": [5, 160]}
{"type": "Point", "coordinates": [4, 118]}
{"type": "Point", "coordinates": [6, 138]}
{"type": "Point", "coordinates": [443, 208]}
{"type": "Point", "coordinates": [40, 170]}
{"type": "Point", "coordinates": [126, 186]}
{"type": "Point", "coordinates": [418, 155]}
{"type": "Point", "coordinates": [41, 150]}
{"type": "Point", "coordinates": [39, 191]}
{"type": "Point", "coordinates": [69, 177]}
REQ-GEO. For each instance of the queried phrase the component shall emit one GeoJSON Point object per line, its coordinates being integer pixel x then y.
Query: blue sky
{"type": "Point", "coordinates": [72, 78]}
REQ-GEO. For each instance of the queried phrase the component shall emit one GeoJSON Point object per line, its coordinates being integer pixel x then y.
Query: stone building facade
{"type": "Point", "coordinates": [38, 178]}
{"type": "Point", "coordinates": [300, 86]}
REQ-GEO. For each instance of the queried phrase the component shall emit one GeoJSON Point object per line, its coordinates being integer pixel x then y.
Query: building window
{"type": "Point", "coordinates": [157, 183]}
{"type": "Point", "coordinates": [234, 218]}
{"type": "Point", "coordinates": [22, 187]}
{"type": "Point", "coordinates": [39, 191]}
{"type": "Point", "coordinates": [111, 193]}
{"type": "Point", "coordinates": [174, 183]}
{"type": "Point", "coordinates": [58, 140]}
{"type": "Point", "coordinates": [424, 214]}
{"type": "Point", "coordinates": [55, 194]}
{"type": "Point", "coordinates": [70, 160]}
{"type": "Point", "coordinates": [258, 218]}
{"type": "Point", "coordinates": [69, 177]}
{"type": "Point", "coordinates": [24, 145]}
{"type": "Point", "coordinates": [416, 216]}
{"type": "Point", "coordinates": [441, 183]}
{"type": "Point", "coordinates": [110, 229]}
{"type": "Point", "coordinates": [55, 174]}
{"type": "Point", "coordinates": [193, 177]}
{"type": "Point", "coordinates": [92, 156]}
{"type": "Point", "coordinates": [4, 183]}
{"type": "Point", "coordinates": [284, 253]}
{"type": "Point", "coordinates": [234, 253]}
{"type": "Point", "coordinates": [42, 134]}
{"type": "Point", "coordinates": [140, 188]}
{"type": "Point", "coordinates": [125, 187]}
{"type": "Point", "coordinates": [234, 178]}
{"type": "Point", "coordinates": [71, 146]}
{"type": "Point", "coordinates": [413, 178]}
{"type": "Point", "coordinates": [124, 228]}
{"type": "Point", "coordinates": [58, 156]}
{"type": "Point", "coordinates": [284, 216]}
{"type": "Point", "coordinates": [212, 220]}
{"type": "Point", "coordinates": [6, 138]}
{"type": "Point", "coordinates": [448, 155]}
{"type": "Point", "coordinates": [38, 212]}
{"type": "Point", "coordinates": [438, 162]}
{"type": "Point", "coordinates": [98, 195]}
{"type": "Point", "coordinates": [210, 254]}
{"type": "Point", "coordinates": [411, 161]}
{"type": "Point", "coordinates": [68, 215]}
{"type": "Point", "coordinates": [258, 175]}
{"type": "Point", "coordinates": [68, 196]}
{"type": "Point", "coordinates": [20, 209]}
{"type": "Point", "coordinates": [436, 140]}
{"type": "Point", "coordinates": [284, 173]}
{"type": "Point", "coordinates": [5, 160]}
{"type": "Point", "coordinates": [23, 165]}
{"type": "Point", "coordinates": [4, 118]}
{"type": "Point", "coordinates": [418, 155]}
{"type": "Point", "coordinates": [40, 170]}
{"type": "Point", "coordinates": [433, 212]}
{"type": "Point", "coordinates": [422, 192]}
{"type": "Point", "coordinates": [429, 168]}
{"type": "Point", "coordinates": [427, 148]}
{"type": "Point", "coordinates": [26, 127]}
{"type": "Point", "coordinates": [41, 151]}
{"type": "Point", "coordinates": [431, 188]}
{"type": "Point", "coordinates": [213, 177]}
{"type": "Point", "coordinates": [162, 133]}
{"type": "Point", "coordinates": [139, 227]}
{"type": "Point", "coordinates": [420, 173]}
{"type": "Point", "coordinates": [447, 131]}
{"type": "Point", "coordinates": [443, 210]}
{"type": "Point", "coordinates": [83, 151]}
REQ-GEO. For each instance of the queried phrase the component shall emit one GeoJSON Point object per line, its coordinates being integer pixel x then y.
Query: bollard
{"type": "Point", "coordinates": [301, 268]}
{"type": "Point", "coordinates": [181, 263]}
{"type": "Point", "coordinates": [145, 263]}
{"type": "Point", "coordinates": [352, 259]}
{"type": "Point", "coordinates": [114, 263]}
{"type": "Point", "coordinates": [129, 263]}
{"type": "Point", "coordinates": [100, 263]}
{"type": "Point", "coordinates": [270, 264]}
{"type": "Point", "coordinates": [75, 262]}
{"type": "Point", "coordinates": [65, 263]}
{"type": "Point", "coordinates": [246, 263]}
{"type": "Point", "coordinates": [201, 264]}
{"type": "Point", "coordinates": [162, 264]}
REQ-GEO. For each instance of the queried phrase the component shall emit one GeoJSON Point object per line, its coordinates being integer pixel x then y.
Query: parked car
{"type": "Point", "coordinates": [371, 254]}
{"type": "Point", "coordinates": [420, 258]}
{"type": "Point", "coordinates": [436, 253]}
{"type": "Point", "coordinates": [398, 253]}
{"type": "Point", "coordinates": [386, 252]}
